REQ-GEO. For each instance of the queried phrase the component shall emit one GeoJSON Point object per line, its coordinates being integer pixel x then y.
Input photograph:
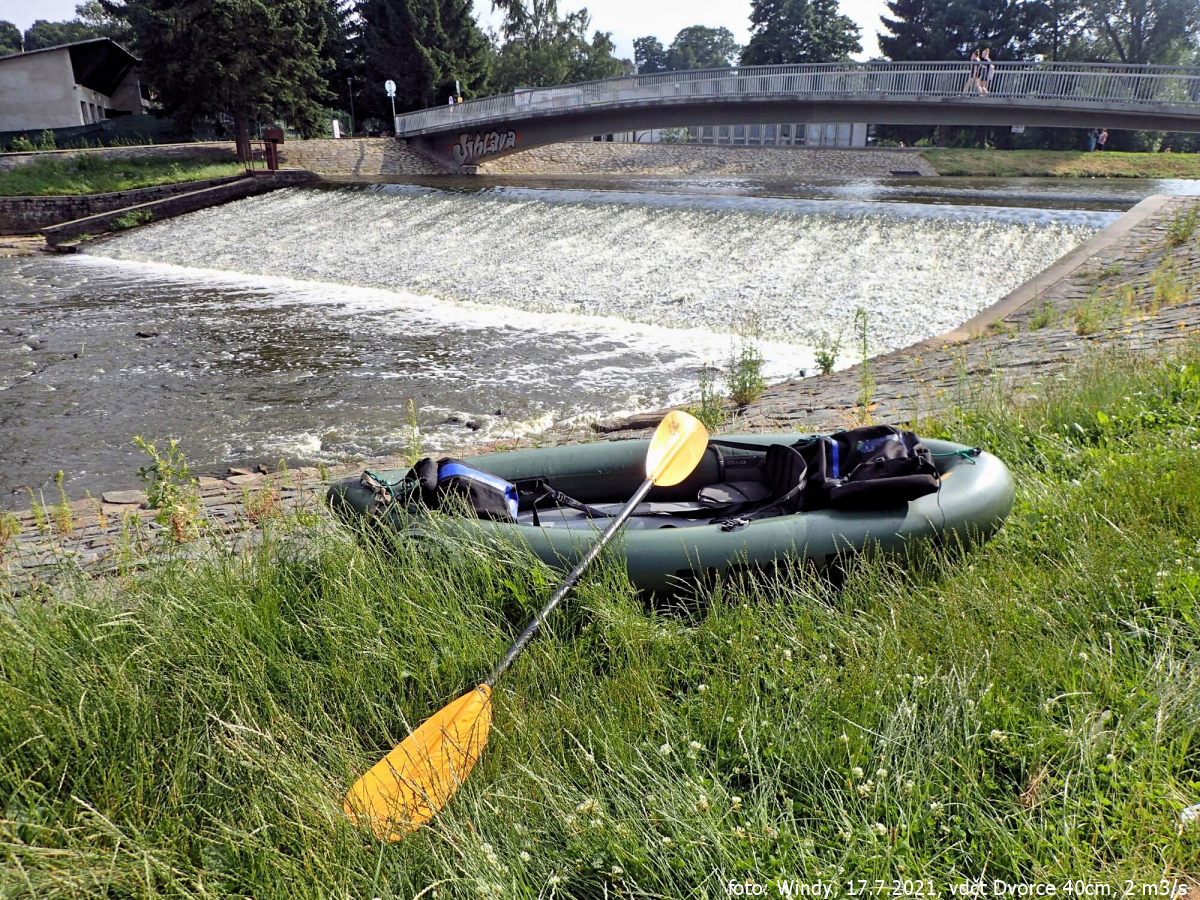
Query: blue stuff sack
{"type": "Point", "coordinates": [490, 496]}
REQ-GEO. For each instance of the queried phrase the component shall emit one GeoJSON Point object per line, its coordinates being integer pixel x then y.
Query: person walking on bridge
{"type": "Point", "coordinates": [973, 77]}
{"type": "Point", "coordinates": [987, 68]}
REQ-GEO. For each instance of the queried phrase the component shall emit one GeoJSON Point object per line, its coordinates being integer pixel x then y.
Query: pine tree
{"type": "Point", "coordinates": [425, 46]}
{"type": "Point", "coordinates": [940, 30]}
{"type": "Point", "coordinates": [799, 31]}
{"type": "Point", "coordinates": [241, 58]}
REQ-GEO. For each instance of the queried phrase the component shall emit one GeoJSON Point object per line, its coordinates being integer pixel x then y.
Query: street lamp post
{"type": "Point", "coordinates": [350, 91]}
{"type": "Point", "coordinates": [390, 87]}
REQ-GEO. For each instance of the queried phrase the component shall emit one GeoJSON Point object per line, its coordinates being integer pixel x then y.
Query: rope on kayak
{"type": "Point", "coordinates": [967, 453]}
{"type": "Point", "coordinates": [384, 490]}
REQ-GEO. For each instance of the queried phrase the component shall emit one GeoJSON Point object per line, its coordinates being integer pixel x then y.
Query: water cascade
{"type": "Point", "coordinates": [298, 324]}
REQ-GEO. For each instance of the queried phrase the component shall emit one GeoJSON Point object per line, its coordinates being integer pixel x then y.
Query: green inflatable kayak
{"type": "Point", "coordinates": [672, 539]}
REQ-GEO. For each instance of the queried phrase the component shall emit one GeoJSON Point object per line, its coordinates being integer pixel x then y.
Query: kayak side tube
{"type": "Point", "coordinates": [975, 497]}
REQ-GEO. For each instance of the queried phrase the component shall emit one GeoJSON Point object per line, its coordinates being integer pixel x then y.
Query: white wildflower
{"type": "Point", "coordinates": [735, 802]}
{"type": "Point", "coordinates": [1189, 816]}
{"type": "Point", "coordinates": [997, 735]}
{"type": "Point", "coordinates": [588, 807]}
{"type": "Point", "coordinates": [857, 772]}
{"type": "Point", "coordinates": [664, 750]}
{"type": "Point", "coordinates": [880, 829]}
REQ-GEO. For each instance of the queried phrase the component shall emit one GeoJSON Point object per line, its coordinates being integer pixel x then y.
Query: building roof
{"type": "Point", "coordinates": [99, 63]}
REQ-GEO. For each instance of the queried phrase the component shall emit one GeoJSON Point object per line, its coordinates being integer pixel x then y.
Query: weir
{"type": "Point", "coordinates": [299, 324]}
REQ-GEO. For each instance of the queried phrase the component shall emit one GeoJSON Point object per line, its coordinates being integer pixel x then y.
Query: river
{"type": "Point", "coordinates": [297, 326]}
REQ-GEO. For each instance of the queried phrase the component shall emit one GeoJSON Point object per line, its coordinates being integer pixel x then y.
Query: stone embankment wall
{"type": "Point", "coordinates": [221, 151]}
{"type": "Point", "coordinates": [245, 186]}
{"type": "Point", "coordinates": [357, 156]}
{"type": "Point", "coordinates": [602, 158]}
{"type": "Point", "coordinates": [29, 215]}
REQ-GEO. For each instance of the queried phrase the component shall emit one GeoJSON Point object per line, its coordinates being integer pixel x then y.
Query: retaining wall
{"type": "Point", "coordinates": [604, 158]}
{"type": "Point", "coordinates": [357, 156]}
{"type": "Point", "coordinates": [178, 205]}
{"type": "Point", "coordinates": [30, 215]}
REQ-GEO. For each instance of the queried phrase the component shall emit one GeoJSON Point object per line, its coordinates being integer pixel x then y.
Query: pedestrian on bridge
{"type": "Point", "coordinates": [973, 77]}
{"type": "Point", "coordinates": [1102, 139]}
{"type": "Point", "coordinates": [987, 68]}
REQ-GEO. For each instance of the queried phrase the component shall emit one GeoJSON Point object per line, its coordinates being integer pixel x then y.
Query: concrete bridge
{"type": "Point", "coordinates": [1059, 95]}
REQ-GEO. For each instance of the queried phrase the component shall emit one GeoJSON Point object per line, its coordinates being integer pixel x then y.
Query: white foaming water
{"type": "Point", "coordinates": [717, 263]}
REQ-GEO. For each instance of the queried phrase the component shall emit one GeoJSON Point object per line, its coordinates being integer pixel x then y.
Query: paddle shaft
{"type": "Point", "coordinates": [540, 619]}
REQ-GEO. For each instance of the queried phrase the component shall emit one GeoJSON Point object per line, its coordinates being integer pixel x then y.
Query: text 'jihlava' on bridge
{"type": "Point", "coordinates": [1065, 95]}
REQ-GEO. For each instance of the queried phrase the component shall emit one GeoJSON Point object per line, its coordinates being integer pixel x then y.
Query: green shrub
{"type": "Point", "coordinates": [710, 411]}
{"type": "Point", "coordinates": [745, 377]}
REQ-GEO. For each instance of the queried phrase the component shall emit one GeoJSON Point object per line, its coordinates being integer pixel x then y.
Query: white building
{"type": "Point", "coordinates": [68, 86]}
{"type": "Point", "coordinates": [829, 134]}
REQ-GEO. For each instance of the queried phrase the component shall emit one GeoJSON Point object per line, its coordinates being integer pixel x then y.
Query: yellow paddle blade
{"type": "Point", "coordinates": [678, 443]}
{"type": "Point", "coordinates": [406, 788]}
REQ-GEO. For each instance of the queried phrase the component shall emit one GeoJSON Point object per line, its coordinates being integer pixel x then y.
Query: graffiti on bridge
{"type": "Point", "coordinates": [473, 146]}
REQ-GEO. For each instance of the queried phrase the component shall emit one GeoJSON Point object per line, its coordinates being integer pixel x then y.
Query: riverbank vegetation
{"type": "Point", "coordinates": [1062, 163]}
{"type": "Point", "coordinates": [90, 174]}
{"type": "Point", "coordinates": [1027, 711]}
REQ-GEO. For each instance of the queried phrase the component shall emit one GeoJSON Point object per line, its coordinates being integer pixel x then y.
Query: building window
{"type": "Point", "coordinates": [83, 112]}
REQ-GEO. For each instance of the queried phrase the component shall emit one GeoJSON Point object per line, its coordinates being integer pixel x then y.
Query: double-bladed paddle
{"type": "Point", "coordinates": [407, 787]}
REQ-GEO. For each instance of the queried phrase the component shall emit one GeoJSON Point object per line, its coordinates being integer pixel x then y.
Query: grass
{"type": "Point", "coordinates": [1028, 711]}
{"type": "Point", "coordinates": [84, 174]}
{"type": "Point", "coordinates": [1069, 163]}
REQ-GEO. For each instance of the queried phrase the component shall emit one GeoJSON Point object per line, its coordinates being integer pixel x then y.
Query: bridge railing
{"type": "Point", "coordinates": [1077, 83]}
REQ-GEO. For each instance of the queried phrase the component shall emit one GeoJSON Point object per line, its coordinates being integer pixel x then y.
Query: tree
{"type": "Point", "coordinates": [42, 34]}
{"type": "Point", "coordinates": [1145, 31]}
{"type": "Point", "coordinates": [698, 47]}
{"type": "Point", "coordinates": [96, 17]}
{"type": "Point", "coordinates": [799, 31]}
{"type": "Point", "coordinates": [10, 38]}
{"type": "Point", "coordinates": [425, 46]}
{"type": "Point", "coordinates": [242, 58]}
{"type": "Point", "coordinates": [649, 55]}
{"type": "Point", "coordinates": [1055, 30]}
{"type": "Point", "coordinates": [542, 48]}
{"type": "Point", "coordinates": [933, 30]}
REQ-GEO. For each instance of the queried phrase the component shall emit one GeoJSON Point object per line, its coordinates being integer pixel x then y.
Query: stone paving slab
{"type": "Point", "coordinates": [1137, 293]}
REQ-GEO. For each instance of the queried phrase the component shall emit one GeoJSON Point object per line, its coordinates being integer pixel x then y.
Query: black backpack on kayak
{"type": "Point", "coordinates": [864, 468]}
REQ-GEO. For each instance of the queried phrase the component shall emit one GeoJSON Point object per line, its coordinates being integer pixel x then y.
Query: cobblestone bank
{"type": "Point", "coordinates": [357, 156]}
{"type": "Point", "coordinates": [29, 215]}
{"type": "Point", "coordinates": [1139, 293]}
{"type": "Point", "coordinates": [602, 158]}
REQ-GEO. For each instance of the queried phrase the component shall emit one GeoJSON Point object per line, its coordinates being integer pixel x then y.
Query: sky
{"type": "Point", "coordinates": [626, 19]}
